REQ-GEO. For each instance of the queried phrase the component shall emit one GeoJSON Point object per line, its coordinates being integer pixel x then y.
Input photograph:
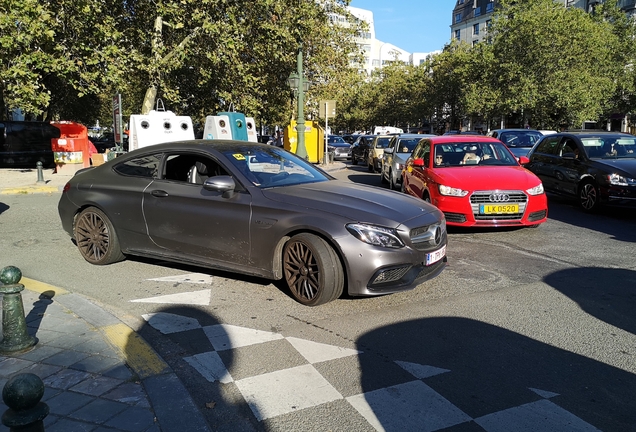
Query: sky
{"type": "Point", "coordinates": [412, 25]}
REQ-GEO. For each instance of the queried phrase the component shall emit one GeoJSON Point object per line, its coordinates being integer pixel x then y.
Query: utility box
{"type": "Point", "coordinates": [237, 125]}
{"type": "Point", "coordinates": [158, 127]}
{"type": "Point", "coordinates": [72, 150]}
{"type": "Point", "coordinates": [217, 127]}
{"type": "Point", "coordinates": [250, 125]}
{"type": "Point", "coordinates": [314, 140]}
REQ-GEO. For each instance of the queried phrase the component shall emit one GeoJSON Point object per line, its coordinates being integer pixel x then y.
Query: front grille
{"type": "Point", "coordinates": [428, 238]}
{"type": "Point", "coordinates": [498, 197]}
{"type": "Point", "coordinates": [390, 275]}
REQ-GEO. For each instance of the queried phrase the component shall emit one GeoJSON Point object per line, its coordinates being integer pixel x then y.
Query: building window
{"type": "Point", "coordinates": [490, 7]}
{"type": "Point", "coordinates": [476, 29]}
{"type": "Point", "coordinates": [460, 2]}
{"type": "Point", "coordinates": [458, 18]}
{"type": "Point", "coordinates": [457, 34]}
{"type": "Point", "coordinates": [478, 11]}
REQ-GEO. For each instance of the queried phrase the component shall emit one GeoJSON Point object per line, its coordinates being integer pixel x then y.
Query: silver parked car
{"type": "Point", "coordinates": [395, 156]}
{"type": "Point", "coordinates": [254, 209]}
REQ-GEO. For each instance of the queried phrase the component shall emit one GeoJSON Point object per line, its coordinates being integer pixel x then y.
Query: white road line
{"type": "Point", "coordinates": [540, 416]}
{"type": "Point", "coordinates": [225, 336]}
{"type": "Point", "coordinates": [420, 371]}
{"type": "Point", "coordinates": [210, 366]}
{"type": "Point", "coordinates": [315, 352]}
{"type": "Point", "coordinates": [198, 278]}
{"type": "Point", "coordinates": [281, 392]}
{"type": "Point", "coordinates": [201, 298]}
{"type": "Point", "coordinates": [411, 406]}
{"type": "Point", "coordinates": [168, 323]}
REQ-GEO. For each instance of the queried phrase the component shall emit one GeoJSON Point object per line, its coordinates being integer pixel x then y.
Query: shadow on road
{"type": "Point", "coordinates": [191, 341]}
{"type": "Point", "coordinates": [458, 371]}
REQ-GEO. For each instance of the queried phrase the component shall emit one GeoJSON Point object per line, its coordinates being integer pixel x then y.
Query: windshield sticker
{"type": "Point", "coordinates": [238, 156]}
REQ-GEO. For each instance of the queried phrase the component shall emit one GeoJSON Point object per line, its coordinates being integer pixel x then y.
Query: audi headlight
{"type": "Point", "coordinates": [451, 191]}
{"type": "Point", "coordinates": [537, 190]}
{"type": "Point", "coordinates": [619, 180]}
{"type": "Point", "coordinates": [375, 235]}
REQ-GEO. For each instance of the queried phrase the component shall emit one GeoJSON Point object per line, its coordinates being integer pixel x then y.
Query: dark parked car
{"type": "Point", "coordinates": [340, 148]}
{"type": "Point", "coordinates": [519, 141]}
{"type": "Point", "coordinates": [596, 168]}
{"type": "Point", "coordinates": [350, 138]}
{"type": "Point", "coordinates": [254, 209]}
{"type": "Point", "coordinates": [360, 149]}
{"type": "Point", "coordinates": [24, 144]}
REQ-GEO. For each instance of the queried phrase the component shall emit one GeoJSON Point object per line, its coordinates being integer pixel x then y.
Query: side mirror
{"type": "Point", "coordinates": [419, 162]}
{"type": "Point", "coordinates": [388, 150]}
{"type": "Point", "coordinates": [523, 160]}
{"type": "Point", "coordinates": [223, 184]}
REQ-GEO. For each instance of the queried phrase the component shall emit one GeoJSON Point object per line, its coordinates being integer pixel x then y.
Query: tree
{"type": "Point", "coordinates": [553, 62]}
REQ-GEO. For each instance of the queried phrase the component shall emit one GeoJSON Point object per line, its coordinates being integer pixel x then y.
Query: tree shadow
{"type": "Point", "coordinates": [436, 373]}
{"type": "Point", "coordinates": [182, 336]}
{"type": "Point", "coordinates": [605, 293]}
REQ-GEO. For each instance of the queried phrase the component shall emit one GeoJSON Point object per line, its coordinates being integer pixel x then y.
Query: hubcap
{"type": "Point", "coordinates": [92, 237]}
{"type": "Point", "coordinates": [588, 196]}
{"type": "Point", "coordinates": [301, 271]}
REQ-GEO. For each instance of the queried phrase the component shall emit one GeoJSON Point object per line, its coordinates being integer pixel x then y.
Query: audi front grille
{"type": "Point", "coordinates": [498, 197]}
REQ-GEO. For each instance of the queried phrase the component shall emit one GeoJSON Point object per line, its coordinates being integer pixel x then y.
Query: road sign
{"type": "Point", "coordinates": [327, 108]}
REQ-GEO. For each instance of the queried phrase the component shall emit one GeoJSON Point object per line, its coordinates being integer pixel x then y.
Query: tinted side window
{"type": "Point", "coordinates": [548, 145]}
{"type": "Point", "coordinates": [144, 166]}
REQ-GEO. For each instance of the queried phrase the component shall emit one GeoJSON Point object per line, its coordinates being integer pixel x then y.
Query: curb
{"type": "Point", "coordinates": [172, 404]}
{"type": "Point", "coordinates": [25, 190]}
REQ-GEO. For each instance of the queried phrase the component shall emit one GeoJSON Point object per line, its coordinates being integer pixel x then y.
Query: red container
{"type": "Point", "coordinates": [72, 150]}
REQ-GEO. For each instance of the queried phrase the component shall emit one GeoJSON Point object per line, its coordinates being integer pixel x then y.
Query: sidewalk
{"type": "Point", "coordinates": [98, 373]}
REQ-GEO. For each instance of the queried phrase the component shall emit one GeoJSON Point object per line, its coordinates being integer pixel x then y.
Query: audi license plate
{"type": "Point", "coordinates": [498, 208]}
{"type": "Point", "coordinates": [433, 257]}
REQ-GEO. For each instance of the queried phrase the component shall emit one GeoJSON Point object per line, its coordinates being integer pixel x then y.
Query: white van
{"type": "Point", "coordinates": [383, 130]}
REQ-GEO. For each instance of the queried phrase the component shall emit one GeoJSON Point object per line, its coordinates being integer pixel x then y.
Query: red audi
{"type": "Point", "coordinates": [475, 181]}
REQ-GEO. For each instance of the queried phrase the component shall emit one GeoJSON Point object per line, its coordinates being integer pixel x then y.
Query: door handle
{"type": "Point", "coordinates": [159, 193]}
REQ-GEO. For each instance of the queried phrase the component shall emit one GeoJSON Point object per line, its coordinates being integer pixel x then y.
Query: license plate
{"type": "Point", "coordinates": [433, 257]}
{"type": "Point", "coordinates": [498, 208]}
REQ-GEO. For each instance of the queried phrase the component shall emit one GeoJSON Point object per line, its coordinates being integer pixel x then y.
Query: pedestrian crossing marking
{"type": "Point", "coordinates": [210, 366]}
{"type": "Point", "coordinates": [276, 393]}
{"type": "Point", "coordinates": [197, 278]}
{"type": "Point", "coordinates": [226, 337]}
{"type": "Point", "coordinates": [544, 393]}
{"type": "Point", "coordinates": [200, 298]}
{"type": "Point", "coordinates": [315, 352]}
{"type": "Point", "coordinates": [412, 406]}
{"type": "Point", "coordinates": [540, 416]}
{"type": "Point", "coordinates": [168, 323]}
{"type": "Point", "coordinates": [420, 371]}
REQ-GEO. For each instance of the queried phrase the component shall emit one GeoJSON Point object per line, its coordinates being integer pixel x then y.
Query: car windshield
{"type": "Point", "coordinates": [520, 138]}
{"type": "Point", "coordinates": [407, 145]}
{"type": "Point", "coordinates": [270, 166]}
{"type": "Point", "coordinates": [336, 140]}
{"type": "Point", "coordinates": [382, 142]}
{"type": "Point", "coordinates": [472, 153]}
{"type": "Point", "coordinates": [610, 147]}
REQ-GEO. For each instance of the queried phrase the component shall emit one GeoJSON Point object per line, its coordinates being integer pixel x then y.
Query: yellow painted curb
{"type": "Point", "coordinates": [41, 287]}
{"type": "Point", "coordinates": [138, 354]}
{"type": "Point", "coordinates": [29, 190]}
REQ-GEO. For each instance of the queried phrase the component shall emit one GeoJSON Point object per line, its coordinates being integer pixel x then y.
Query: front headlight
{"type": "Point", "coordinates": [619, 180]}
{"type": "Point", "coordinates": [450, 191]}
{"type": "Point", "coordinates": [537, 190]}
{"type": "Point", "coordinates": [375, 235]}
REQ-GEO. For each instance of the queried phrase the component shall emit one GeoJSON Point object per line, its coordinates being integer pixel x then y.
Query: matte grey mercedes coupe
{"type": "Point", "coordinates": [254, 209]}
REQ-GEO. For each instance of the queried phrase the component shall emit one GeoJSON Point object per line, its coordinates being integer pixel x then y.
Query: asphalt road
{"type": "Point", "coordinates": [523, 322]}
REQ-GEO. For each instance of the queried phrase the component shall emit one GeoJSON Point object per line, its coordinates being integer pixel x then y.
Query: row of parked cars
{"type": "Point", "coordinates": [500, 179]}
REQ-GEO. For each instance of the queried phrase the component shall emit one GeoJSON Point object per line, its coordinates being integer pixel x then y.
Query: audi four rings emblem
{"type": "Point", "coordinates": [500, 197]}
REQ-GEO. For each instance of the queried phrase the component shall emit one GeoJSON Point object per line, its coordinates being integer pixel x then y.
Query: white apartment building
{"type": "Point", "coordinates": [377, 53]}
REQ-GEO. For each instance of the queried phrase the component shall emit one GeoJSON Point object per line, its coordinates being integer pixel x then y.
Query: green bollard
{"type": "Point", "coordinates": [22, 394]}
{"type": "Point", "coordinates": [40, 173]}
{"type": "Point", "coordinates": [14, 328]}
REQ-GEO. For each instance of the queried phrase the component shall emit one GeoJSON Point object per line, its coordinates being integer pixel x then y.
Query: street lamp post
{"type": "Point", "coordinates": [297, 83]}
